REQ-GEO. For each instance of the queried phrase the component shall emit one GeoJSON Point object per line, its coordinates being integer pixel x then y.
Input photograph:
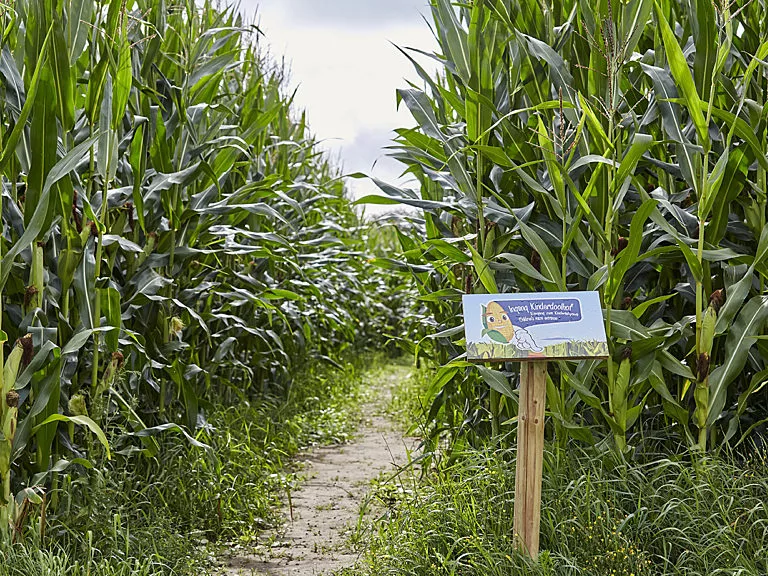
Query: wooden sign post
{"type": "Point", "coordinates": [530, 455]}
{"type": "Point", "coordinates": [531, 329]}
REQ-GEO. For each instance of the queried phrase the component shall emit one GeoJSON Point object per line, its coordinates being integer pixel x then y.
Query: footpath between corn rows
{"type": "Point", "coordinates": [334, 494]}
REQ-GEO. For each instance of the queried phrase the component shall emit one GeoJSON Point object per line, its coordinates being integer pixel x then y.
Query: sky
{"type": "Point", "coordinates": [343, 62]}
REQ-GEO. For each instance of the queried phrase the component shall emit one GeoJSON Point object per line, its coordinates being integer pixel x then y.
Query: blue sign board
{"type": "Point", "coordinates": [537, 326]}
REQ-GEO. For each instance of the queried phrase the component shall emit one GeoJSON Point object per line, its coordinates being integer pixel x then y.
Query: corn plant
{"type": "Point", "coordinates": [172, 237]}
{"type": "Point", "coordinates": [618, 147]}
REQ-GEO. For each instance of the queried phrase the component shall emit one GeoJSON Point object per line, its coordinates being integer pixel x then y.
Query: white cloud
{"type": "Point", "coordinates": [342, 59]}
{"type": "Point", "coordinates": [338, 13]}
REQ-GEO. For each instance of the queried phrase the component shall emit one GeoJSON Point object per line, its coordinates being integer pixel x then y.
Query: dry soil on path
{"type": "Point", "coordinates": [327, 507]}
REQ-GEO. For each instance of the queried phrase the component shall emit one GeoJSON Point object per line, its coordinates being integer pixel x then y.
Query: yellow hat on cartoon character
{"type": "Point", "coordinates": [496, 318]}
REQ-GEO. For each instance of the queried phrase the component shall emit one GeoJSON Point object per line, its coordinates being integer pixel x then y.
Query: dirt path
{"type": "Point", "coordinates": [327, 508]}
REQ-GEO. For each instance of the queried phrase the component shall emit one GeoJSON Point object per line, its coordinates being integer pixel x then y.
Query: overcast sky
{"type": "Point", "coordinates": [346, 69]}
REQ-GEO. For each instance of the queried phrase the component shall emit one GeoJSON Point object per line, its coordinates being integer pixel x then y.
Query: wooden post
{"type": "Point", "coordinates": [530, 456]}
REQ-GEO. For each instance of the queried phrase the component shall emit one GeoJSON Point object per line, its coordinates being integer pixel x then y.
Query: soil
{"type": "Point", "coordinates": [334, 499]}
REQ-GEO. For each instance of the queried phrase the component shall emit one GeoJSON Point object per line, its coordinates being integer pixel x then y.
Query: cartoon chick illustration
{"type": "Point", "coordinates": [498, 327]}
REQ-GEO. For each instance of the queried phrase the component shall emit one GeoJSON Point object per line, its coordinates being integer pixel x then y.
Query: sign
{"type": "Point", "coordinates": [529, 327]}
{"type": "Point", "coordinates": [532, 328]}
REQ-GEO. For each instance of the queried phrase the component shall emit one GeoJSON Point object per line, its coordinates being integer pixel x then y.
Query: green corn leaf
{"type": "Point", "coordinates": [682, 74]}
{"type": "Point", "coordinates": [727, 191]}
{"type": "Point", "coordinates": [688, 157]}
{"type": "Point", "coordinates": [79, 339]}
{"type": "Point", "coordinates": [110, 306]}
{"type": "Point", "coordinates": [629, 255]}
{"type": "Point", "coordinates": [106, 151]}
{"type": "Point", "coordinates": [37, 222]}
{"type": "Point", "coordinates": [739, 127]}
{"type": "Point", "coordinates": [191, 402]}
{"type": "Point", "coordinates": [714, 184]}
{"type": "Point", "coordinates": [635, 16]}
{"type": "Point", "coordinates": [549, 265]}
{"type": "Point", "coordinates": [735, 297]}
{"type": "Point", "coordinates": [705, 34]}
{"type": "Point", "coordinates": [691, 260]}
{"type": "Point", "coordinates": [737, 293]}
{"type": "Point", "coordinates": [744, 131]}
{"type": "Point", "coordinates": [580, 386]}
{"type": "Point", "coordinates": [625, 326]}
{"type": "Point", "coordinates": [45, 435]}
{"type": "Point", "coordinates": [641, 308]}
{"type": "Point", "coordinates": [421, 108]}
{"type": "Point", "coordinates": [449, 250]}
{"type": "Point", "coordinates": [673, 365]}
{"type": "Point", "coordinates": [157, 430]}
{"type": "Point", "coordinates": [585, 210]}
{"type": "Point", "coordinates": [441, 378]}
{"type": "Point", "coordinates": [598, 279]}
{"type": "Point", "coordinates": [63, 76]}
{"type": "Point", "coordinates": [595, 126]}
{"type": "Point", "coordinates": [559, 73]}
{"type": "Point", "coordinates": [640, 144]}
{"type": "Point", "coordinates": [79, 14]}
{"type": "Point", "coordinates": [521, 264]}
{"type": "Point", "coordinates": [9, 146]}
{"type": "Point", "coordinates": [43, 145]}
{"type": "Point", "coordinates": [497, 381]}
{"type": "Point", "coordinates": [757, 383]}
{"type": "Point", "coordinates": [447, 333]}
{"type": "Point", "coordinates": [741, 337]}
{"type": "Point", "coordinates": [455, 38]}
{"type": "Point", "coordinates": [554, 169]}
{"type": "Point", "coordinates": [123, 78]}
{"type": "Point", "coordinates": [82, 421]}
{"type": "Point", "coordinates": [671, 405]}
{"type": "Point", "coordinates": [483, 271]}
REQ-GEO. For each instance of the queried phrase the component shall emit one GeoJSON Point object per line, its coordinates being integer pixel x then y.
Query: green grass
{"type": "Point", "coordinates": [169, 515]}
{"type": "Point", "coordinates": [21, 561]}
{"type": "Point", "coordinates": [599, 518]}
{"type": "Point", "coordinates": [408, 404]}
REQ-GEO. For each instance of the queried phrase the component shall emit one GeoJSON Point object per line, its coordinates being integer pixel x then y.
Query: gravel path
{"type": "Point", "coordinates": [327, 508]}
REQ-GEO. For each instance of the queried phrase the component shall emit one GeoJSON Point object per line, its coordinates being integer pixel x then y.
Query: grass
{"type": "Point", "coordinates": [168, 515]}
{"type": "Point", "coordinates": [25, 562]}
{"type": "Point", "coordinates": [661, 517]}
{"type": "Point", "coordinates": [653, 516]}
{"type": "Point", "coordinates": [407, 408]}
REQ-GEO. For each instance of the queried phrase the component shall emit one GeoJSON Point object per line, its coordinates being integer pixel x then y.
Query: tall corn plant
{"type": "Point", "coordinates": [171, 234]}
{"type": "Point", "coordinates": [617, 147]}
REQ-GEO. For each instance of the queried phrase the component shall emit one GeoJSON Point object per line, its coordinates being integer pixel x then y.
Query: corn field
{"type": "Point", "coordinates": [171, 236]}
{"type": "Point", "coordinates": [617, 146]}
{"type": "Point", "coordinates": [174, 242]}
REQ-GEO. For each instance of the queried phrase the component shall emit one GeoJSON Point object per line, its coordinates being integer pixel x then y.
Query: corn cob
{"type": "Point", "coordinates": [9, 402]}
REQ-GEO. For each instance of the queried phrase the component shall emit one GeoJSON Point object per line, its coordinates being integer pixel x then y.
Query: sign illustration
{"type": "Point", "coordinates": [534, 326]}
